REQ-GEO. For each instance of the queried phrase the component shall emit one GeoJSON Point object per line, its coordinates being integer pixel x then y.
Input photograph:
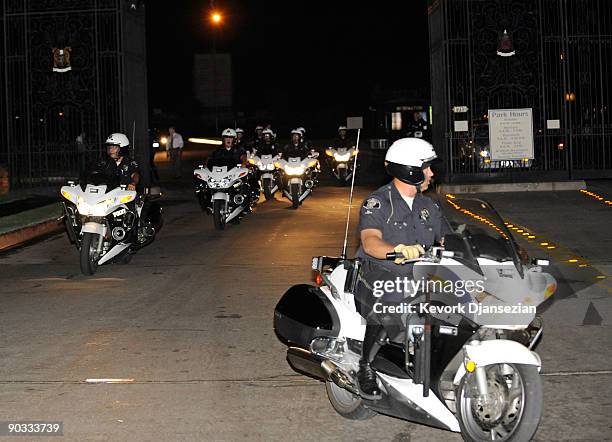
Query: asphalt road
{"type": "Point", "coordinates": [189, 320]}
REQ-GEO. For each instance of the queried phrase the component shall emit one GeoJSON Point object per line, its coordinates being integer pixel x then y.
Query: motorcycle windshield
{"type": "Point", "coordinates": [479, 232]}
{"type": "Point", "coordinates": [99, 179]}
{"type": "Point", "coordinates": [221, 162]}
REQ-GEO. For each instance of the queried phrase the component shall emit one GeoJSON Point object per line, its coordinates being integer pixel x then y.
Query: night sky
{"type": "Point", "coordinates": [297, 55]}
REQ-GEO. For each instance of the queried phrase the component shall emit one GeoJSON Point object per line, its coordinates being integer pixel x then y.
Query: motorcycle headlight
{"type": "Point", "coordinates": [270, 166]}
{"type": "Point", "coordinates": [82, 206]}
{"type": "Point", "coordinates": [295, 170]}
{"type": "Point", "coordinates": [225, 182]}
{"type": "Point", "coordinates": [341, 157]}
{"type": "Point", "coordinates": [67, 195]}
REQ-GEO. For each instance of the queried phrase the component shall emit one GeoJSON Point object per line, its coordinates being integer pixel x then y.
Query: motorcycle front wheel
{"type": "Point", "coordinates": [89, 253]}
{"type": "Point", "coordinates": [510, 412]}
{"type": "Point", "coordinates": [295, 196]}
{"type": "Point", "coordinates": [346, 403]}
{"type": "Point", "coordinates": [342, 176]}
{"type": "Point", "coordinates": [218, 215]}
{"type": "Point", "coordinates": [267, 189]}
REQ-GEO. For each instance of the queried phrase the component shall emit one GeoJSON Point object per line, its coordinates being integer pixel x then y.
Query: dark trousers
{"type": "Point", "coordinates": [175, 159]}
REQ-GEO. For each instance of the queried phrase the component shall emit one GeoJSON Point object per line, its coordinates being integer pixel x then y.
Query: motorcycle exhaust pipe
{"type": "Point", "coordinates": [238, 199]}
{"type": "Point", "coordinates": [118, 233]}
{"type": "Point", "coordinates": [336, 375]}
{"type": "Point", "coordinates": [309, 184]}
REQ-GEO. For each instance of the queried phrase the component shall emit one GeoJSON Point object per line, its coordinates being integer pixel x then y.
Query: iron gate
{"type": "Point", "coordinates": [560, 68]}
{"type": "Point", "coordinates": [63, 85]}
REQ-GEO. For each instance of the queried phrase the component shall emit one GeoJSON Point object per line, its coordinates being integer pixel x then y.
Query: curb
{"type": "Point", "coordinates": [16, 237]}
{"type": "Point", "coordinates": [553, 186]}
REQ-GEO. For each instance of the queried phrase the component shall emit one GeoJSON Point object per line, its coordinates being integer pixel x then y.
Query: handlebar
{"type": "Point", "coordinates": [433, 254]}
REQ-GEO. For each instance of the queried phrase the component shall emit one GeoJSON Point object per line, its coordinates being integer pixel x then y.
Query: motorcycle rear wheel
{"type": "Point", "coordinates": [218, 217]}
{"type": "Point", "coordinates": [520, 417]}
{"type": "Point", "coordinates": [346, 403]}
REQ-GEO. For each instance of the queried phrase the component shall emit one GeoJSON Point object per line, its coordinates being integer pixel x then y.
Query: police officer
{"type": "Point", "coordinates": [240, 141]}
{"type": "Point", "coordinates": [267, 146]}
{"type": "Point", "coordinates": [394, 218]}
{"type": "Point", "coordinates": [343, 141]}
{"type": "Point", "coordinates": [296, 148]}
{"type": "Point", "coordinates": [118, 164]}
{"type": "Point", "coordinates": [228, 152]}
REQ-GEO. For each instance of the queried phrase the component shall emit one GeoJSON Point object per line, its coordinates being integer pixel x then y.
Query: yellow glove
{"type": "Point", "coordinates": [409, 252]}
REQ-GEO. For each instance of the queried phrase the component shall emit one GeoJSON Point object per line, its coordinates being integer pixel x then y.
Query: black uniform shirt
{"type": "Point", "coordinates": [226, 156]}
{"type": "Point", "coordinates": [345, 143]}
{"type": "Point", "coordinates": [124, 170]}
{"type": "Point", "coordinates": [266, 148]}
{"type": "Point", "coordinates": [386, 210]}
{"type": "Point", "coordinates": [296, 150]}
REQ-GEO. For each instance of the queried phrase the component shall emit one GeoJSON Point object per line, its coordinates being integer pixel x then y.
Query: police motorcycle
{"type": "Point", "coordinates": [267, 173]}
{"type": "Point", "coordinates": [223, 190]}
{"type": "Point", "coordinates": [340, 158]}
{"type": "Point", "coordinates": [464, 359]}
{"type": "Point", "coordinates": [299, 176]}
{"type": "Point", "coordinates": [105, 221]}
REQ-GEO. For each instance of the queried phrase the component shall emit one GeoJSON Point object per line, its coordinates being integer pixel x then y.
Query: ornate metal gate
{"type": "Point", "coordinates": [63, 84]}
{"type": "Point", "coordinates": [553, 56]}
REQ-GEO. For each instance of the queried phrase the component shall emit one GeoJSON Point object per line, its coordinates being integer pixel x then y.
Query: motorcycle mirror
{"type": "Point", "coordinates": [540, 262]}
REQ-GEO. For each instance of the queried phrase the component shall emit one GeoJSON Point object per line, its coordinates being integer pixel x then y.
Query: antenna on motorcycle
{"type": "Point", "coordinates": [133, 153]}
{"type": "Point", "coordinates": [352, 123]}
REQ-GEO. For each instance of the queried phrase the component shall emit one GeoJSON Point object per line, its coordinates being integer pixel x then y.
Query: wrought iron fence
{"type": "Point", "coordinates": [560, 69]}
{"type": "Point", "coordinates": [63, 81]}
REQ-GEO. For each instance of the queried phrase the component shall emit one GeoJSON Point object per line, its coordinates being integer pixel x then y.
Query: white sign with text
{"type": "Point", "coordinates": [511, 134]}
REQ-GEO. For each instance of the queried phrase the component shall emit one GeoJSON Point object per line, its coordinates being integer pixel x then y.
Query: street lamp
{"type": "Point", "coordinates": [215, 18]}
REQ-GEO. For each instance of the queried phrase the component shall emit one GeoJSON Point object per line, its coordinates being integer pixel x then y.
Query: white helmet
{"type": "Point", "coordinates": [239, 130]}
{"type": "Point", "coordinates": [296, 132]}
{"type": "Point", "coordinates": [258, 128]}
{"type": "Point", "coordinates": [117, 139]}
{"type": "Point", "coordinates": [341, 128]}
{"type": "Point", "coordinates": [229, 132]}
{"type": "Point", "coordinates": [301, 130]}
{"type": "Point", "coordinates": [268, 131]}
{"type": "Point", "coordinates": [407, 158]}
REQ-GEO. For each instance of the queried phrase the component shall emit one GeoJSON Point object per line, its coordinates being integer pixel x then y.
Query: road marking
{"type": "Point", "coordinates": [578, 373]}
{"type": "Point", "coordinates": [599, 198]}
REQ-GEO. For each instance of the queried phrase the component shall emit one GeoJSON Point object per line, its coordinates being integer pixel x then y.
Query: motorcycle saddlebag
{"type": "Point", "coordinates": [304, 313]}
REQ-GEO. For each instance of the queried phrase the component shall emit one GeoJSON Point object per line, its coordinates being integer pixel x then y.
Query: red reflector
{"type": "Point", "coordinates": [318, 279]}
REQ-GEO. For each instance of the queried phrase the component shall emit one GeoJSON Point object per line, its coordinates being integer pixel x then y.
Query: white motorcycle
{"type": "Point", "coordinates": [475, 372]}
{"type": "Point", "coordinates": [267, 173]}
{"type": "Point", "coordinates": [299, 177]}
{"type": "Point", "coordinates": [340, 161]}
{"type": "Point", "coordinates": [104, 220]}
{"type": "Point", "coordinates": [223, 190]}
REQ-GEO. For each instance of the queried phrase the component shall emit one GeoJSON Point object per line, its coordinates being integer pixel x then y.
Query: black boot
{"type": "Point", "coordinates": [374, 338]}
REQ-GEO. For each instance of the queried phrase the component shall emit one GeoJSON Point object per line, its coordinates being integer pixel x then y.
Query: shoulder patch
{"type": "Point", "coordinates": [372, 203]}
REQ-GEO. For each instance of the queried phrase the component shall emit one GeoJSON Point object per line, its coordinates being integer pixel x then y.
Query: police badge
{"type": "Point", "coordinates": [424, 214]}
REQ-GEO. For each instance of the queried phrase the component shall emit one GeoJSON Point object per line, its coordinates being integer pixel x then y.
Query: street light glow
{"type": "Point", "coordinates": [216, 17]}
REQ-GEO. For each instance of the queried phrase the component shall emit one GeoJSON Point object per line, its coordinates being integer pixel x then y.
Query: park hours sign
{"type": "Point", "coordinates": [511, 134]}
